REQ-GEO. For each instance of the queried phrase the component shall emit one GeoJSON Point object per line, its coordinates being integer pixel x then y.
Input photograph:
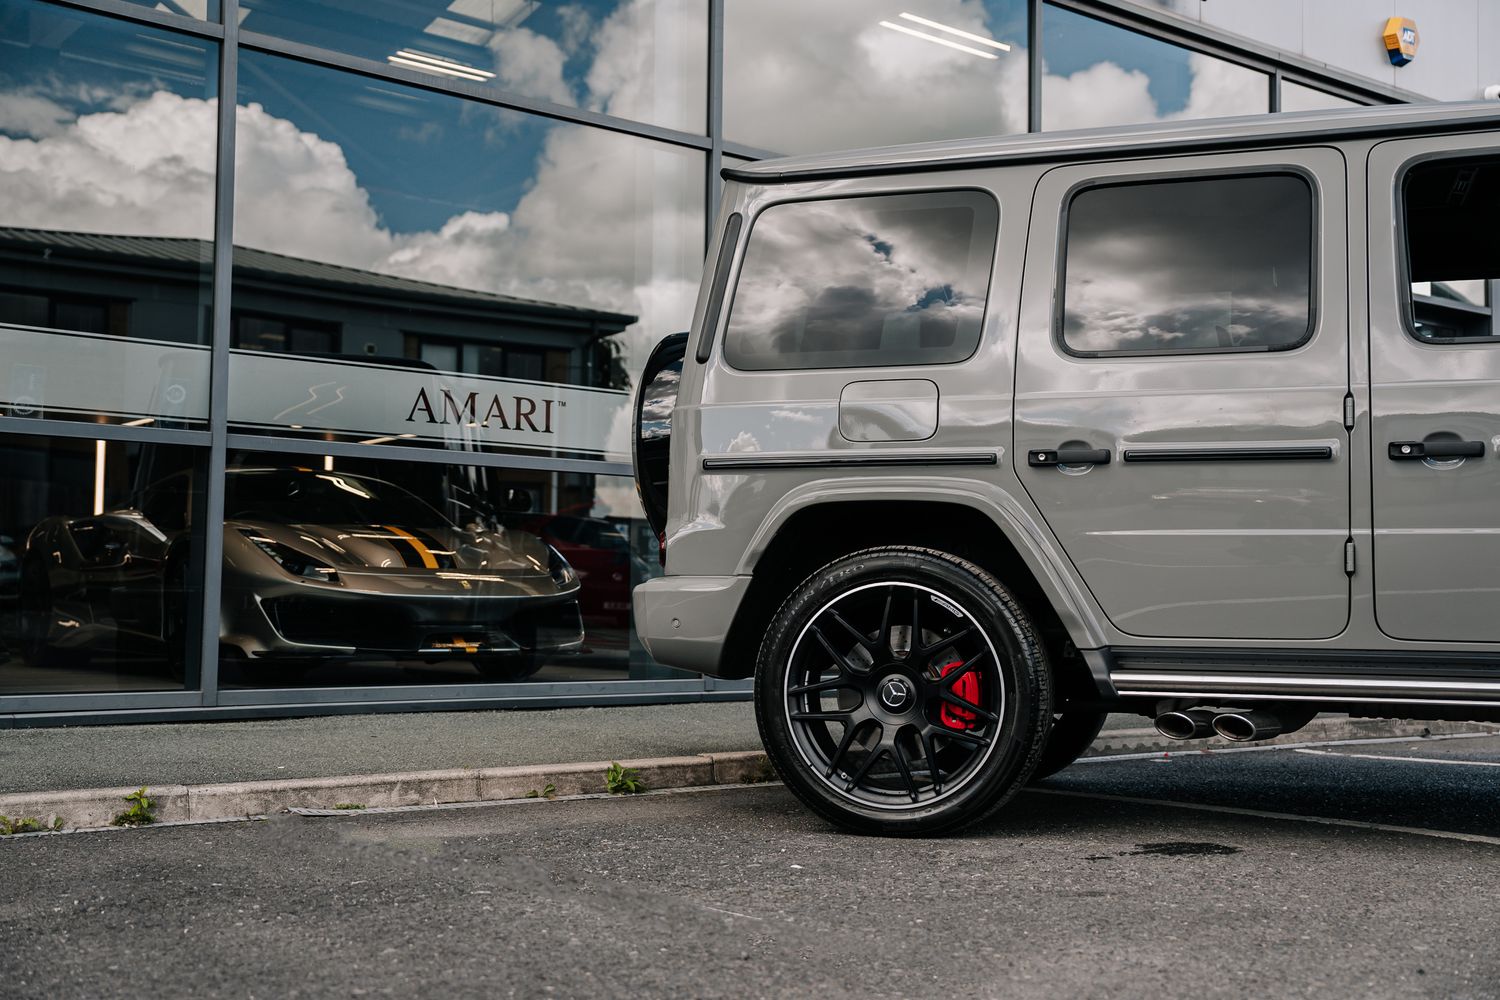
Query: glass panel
{"type": "Point", "coordinates": [344, 571]}
{"type": "Point", "coordinates": [1148, 268]}
{"type": "Point", "coordinates": [99, 579]}
{"type": "Point", "coordinates": [106, 217]}
{"type": "Point", "coordinates": [640, 59]}
{"type": "Point", "coordinates": [803, 77]}
{"type": "Point", "coordinates": [1452, 214]}
{"type": "Point", "coordinates": [857, 282]}
{"type": "Point", "coordinates": [1097, 74]}
{"type": "Point", "coordinates": [475, 278]}
{"type": "Point", "coordinates": [1295, 97]}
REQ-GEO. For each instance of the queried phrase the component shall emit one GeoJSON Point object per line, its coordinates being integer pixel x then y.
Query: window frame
{"type": "Point", "coordinates": [1406, 298]}
{"type": "Point", "coordinates": [1314, 278]}
{"type": "Point", "coordinates": [742, 252]}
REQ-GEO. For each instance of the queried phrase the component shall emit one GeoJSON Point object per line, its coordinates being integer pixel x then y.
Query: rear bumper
{"type": "Point", "coordinates": [684, 620]}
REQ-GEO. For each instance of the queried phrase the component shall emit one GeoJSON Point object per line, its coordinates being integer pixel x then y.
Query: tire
{"type": "Point", "coordinates": [863, 691]}
{"type": "Point", "coordinates": [1070, 736]}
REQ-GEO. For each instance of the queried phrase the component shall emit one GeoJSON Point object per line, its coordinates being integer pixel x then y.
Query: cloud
{"type": "Point", "coordinates": [147, 171]}
{"type": "Point", "coordinates": [530, 64]}
{"type": "Point", "coordinates": [801, 77]}
{"type": "Point", "coordinates": [1106, 94]}
{"type": "Point", "coordinates": [32, 116]}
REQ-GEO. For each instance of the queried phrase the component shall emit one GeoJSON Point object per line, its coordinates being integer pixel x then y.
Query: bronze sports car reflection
{"type": "Point", "coordinates": [320, 565]}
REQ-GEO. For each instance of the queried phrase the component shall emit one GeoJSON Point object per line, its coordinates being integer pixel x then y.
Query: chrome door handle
{"type": "Point", "coordinates": [1045, 457]}
{"type": "Point", "coordinates": [1402, 451]}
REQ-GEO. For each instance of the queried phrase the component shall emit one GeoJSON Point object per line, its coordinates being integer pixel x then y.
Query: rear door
{"type": "Point", "coordinates": [1435, 386]}
{"type": "Point", "coordinates": [1180, 390]}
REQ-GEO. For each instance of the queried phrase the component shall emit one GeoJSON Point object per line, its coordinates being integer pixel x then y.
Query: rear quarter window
{"type": "Point", "coordinates": [1189, 266]}
{"type": "Point", "coordinates": [863, 282]}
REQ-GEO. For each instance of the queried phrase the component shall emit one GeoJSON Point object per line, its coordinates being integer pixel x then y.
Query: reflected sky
{"type": "Point", "coordinates": [836, 283]}
{"type": "Point", "coordinates": [641, 59]}
{"type": "Point", "coordinates": [1149, 267]}
{"type": "Point", "coordinates": [1098, 74]}
{"type": "Point", "coordinates": [801, 77]}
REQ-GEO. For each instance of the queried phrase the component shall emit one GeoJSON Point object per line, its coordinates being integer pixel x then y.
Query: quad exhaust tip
{"type": "Point", "coordinates": [1237, 727]}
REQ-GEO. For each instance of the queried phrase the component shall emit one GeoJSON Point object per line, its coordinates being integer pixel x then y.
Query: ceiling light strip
{"type": "Point", "coordinates": [429, 68]}
{"type": "Point", "coordinates": [981, 39]}
{"type": "Point", "coordinates": [940, 41]}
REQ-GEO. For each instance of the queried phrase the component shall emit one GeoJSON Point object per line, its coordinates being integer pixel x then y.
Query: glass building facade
{"type": "Point", "coordinates": [318, 322]}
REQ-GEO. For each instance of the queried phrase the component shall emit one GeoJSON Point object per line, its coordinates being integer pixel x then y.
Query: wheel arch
{"type": "Point", "coordinates": [813, 526]}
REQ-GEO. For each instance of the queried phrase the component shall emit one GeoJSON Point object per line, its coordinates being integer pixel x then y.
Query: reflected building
{"type": "Point", "coordinates": [450, 233]}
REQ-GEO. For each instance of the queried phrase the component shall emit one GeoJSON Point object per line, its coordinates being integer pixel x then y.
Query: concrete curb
{"type": "Point", "coordinates": [96, 807]}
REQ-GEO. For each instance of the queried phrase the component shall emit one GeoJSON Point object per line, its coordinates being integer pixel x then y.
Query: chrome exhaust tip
{"type": "Point", "coordinates": [1247, 727]}
{"type": "Point", "coordinates": [1190, 724]}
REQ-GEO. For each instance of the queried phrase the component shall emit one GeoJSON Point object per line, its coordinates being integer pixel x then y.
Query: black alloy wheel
{"type": "Point", "coordinates": [902, 690]}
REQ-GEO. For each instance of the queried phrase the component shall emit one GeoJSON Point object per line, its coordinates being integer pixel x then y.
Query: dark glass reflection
{"type": "Point", "coordinates": [1097, 74]}
{"type": "Point", "coordinates": [99, 578]}
{"type": "Point", "coordinates": [1452, 210]}
{"type": "Point", "coordinates": [640, 59]}
{"type": "Point", "coordinates": [345, 571]}
{"type": "Point", "coordinates": [107, 147]}
{"type": "Point", "coordinates": [1196, 265]}
{"type": "Point", "coordinates": [857, 282]}
{"type": "Point", "coordinates": [415, 267]}
{"type": "Point", "coordinates": [804, 77]}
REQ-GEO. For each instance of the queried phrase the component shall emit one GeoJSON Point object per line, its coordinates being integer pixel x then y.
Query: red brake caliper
{"type": "Point", "coordinates": [967, 688]}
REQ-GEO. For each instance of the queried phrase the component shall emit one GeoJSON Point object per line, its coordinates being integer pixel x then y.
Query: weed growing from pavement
{"type": "Point", "coordinates": [28, 824]}
{"type": "Point", "coordinates": [548, 791]}
{"type": "Point", "coordinates": [621, 780]}
{"type": "Point", "coordinates": [348, 805]}
{"type": "Point", "coordinates": [762, 772]}
{"type": "Point", "coordinates": [142, 810]}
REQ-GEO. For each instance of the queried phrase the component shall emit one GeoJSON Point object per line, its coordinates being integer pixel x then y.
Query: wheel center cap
{"type": "Point", "coordinates": [895, 693]}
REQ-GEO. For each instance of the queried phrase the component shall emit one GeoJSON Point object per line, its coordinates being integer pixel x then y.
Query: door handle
{"type": "Point", "coordinates": [1046, 457]}
{"type": "Point", "coordinates": [1402, 451]}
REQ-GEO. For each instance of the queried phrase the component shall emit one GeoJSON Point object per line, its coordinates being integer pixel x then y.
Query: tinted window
{"type": "Point", "coordinates": [859, 282]}
{"type": "Point", "coordinates": [1452, 210]}
{"type": "Point", "coordinates": [1189, 266]}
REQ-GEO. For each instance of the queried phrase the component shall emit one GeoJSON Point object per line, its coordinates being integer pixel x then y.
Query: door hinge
{"type": "Point", "coordinates": [1349, 412]}
{"type": "Point", "coordinates": [1349, 556]}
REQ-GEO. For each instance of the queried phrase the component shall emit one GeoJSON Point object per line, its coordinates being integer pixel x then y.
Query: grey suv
{"type": "Point", "coordinates": [972, 443]}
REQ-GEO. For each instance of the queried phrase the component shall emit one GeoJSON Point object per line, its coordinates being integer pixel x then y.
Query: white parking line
{"type": "Point", "coordinates": [1413, 760]}
{"type": "Point", "coordinates": [1262, 747]}
{"type": "Point", "coordinates": [1473, 838]}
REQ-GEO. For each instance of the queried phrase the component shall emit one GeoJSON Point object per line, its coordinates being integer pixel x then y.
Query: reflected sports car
{"type": "Point", "coordinates": [316, 565]}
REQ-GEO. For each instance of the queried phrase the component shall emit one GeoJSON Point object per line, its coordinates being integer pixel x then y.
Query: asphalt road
{"type": "Point", "coordinates": [1075, 891]}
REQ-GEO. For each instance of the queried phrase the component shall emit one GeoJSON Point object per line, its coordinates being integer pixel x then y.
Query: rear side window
{"type": "Point", "coordinates": [863, 282]}
{"type": "Point", "coordinates": [1452, 214]}
{"type": "Point", "coordinates": [1189, 266]}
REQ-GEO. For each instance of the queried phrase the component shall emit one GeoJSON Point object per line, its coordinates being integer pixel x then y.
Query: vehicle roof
{"type": "Point", "coordinates": [1281, 128]}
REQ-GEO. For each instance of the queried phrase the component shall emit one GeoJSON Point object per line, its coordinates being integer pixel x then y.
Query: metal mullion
{"type": "Point", "coordinates": [715, 186]}
{"type": "Point", "coordinates": [211, 565]}
{"type": "Point", "coordinates": [429, 456]}
{"type": "Point", "coordinates": [1034, 66]}
{"type": "Point", "coordinates": [48, 427]}
{"type": "Point", "coordinates": [1275, 104]}
{"type": "Point", "coordinates": [1222, 44]}
{"type": "Point", "coordinates": [88, 701]}
{"type": "Point", "coordinates": [492, 96]}
{"type": "Point", "coordinates": [748, 152]}
{"type": "Point", "coordinates": [146, 15]}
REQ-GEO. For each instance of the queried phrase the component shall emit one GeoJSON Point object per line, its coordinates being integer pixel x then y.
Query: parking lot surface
{"type": "Point", "coordinates": [1141, 876]}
